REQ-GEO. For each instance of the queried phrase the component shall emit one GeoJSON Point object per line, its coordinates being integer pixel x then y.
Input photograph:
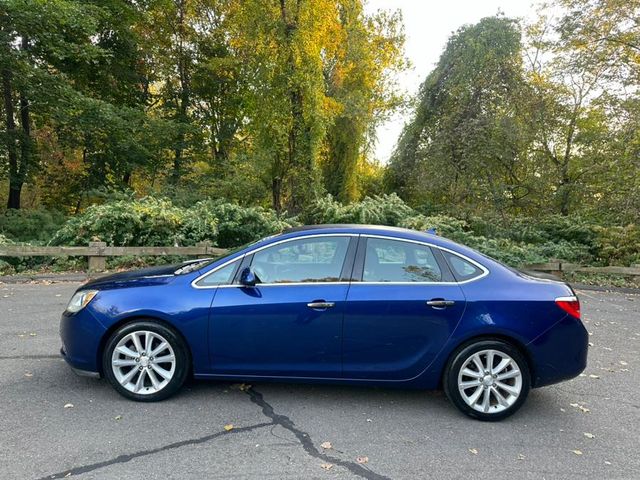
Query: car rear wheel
{"type": "Point", "coordinates": [145, 361]}
{"type": "Point", "coordinates": [487, 380]}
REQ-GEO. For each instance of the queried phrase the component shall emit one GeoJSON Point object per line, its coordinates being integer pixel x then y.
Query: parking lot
{"type": "Point", "coordinates": [55, 424]}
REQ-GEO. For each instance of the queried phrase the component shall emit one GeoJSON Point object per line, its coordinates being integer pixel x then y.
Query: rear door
{"type": "Point", "coordinates": [402, 307]}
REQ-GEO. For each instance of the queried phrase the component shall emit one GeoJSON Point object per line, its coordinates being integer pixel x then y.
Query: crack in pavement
{"type": "Point", "coordinates": [305, 440]}
{"type": "Point", "coordinates": [143, 453]}
{"type": "Point", "coordinates": [267, 410]}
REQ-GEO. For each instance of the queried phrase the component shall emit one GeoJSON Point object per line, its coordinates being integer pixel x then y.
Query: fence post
{"type": "Point", "coordinates": [97, 263]}
{"type": "Point", "coordinates": [206, 244]}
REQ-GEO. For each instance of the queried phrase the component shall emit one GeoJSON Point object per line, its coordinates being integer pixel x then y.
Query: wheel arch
{"type": "Point", "coordinates": [138, 318]}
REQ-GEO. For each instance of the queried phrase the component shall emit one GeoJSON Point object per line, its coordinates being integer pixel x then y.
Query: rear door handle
{"type": "Point", "coordinates": [440, 303]}
{"type": "Point", "coordinates": [320, 305]}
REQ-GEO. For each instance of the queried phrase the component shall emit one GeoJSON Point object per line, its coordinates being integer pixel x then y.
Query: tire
{"type": "Point", "coordinates": [126, 358]}
{"type": "Point", "coordinates": [507, 384]}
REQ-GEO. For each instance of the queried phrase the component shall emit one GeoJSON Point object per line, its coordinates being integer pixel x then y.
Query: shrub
{"type": "Point", "coordinates": [239, 225]}
{"type": "Point", "coordinates": [30, 225]}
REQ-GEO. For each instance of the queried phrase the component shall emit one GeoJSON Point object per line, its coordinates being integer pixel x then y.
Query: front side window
{"type": "Point", "coordinates": [222, 276]}
{"type": "Point", "coordinates": [398, 261]}
{"type": "Point", "coordinates": [318, 259]}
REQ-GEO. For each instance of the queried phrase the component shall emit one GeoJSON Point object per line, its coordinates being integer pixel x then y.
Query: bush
{"type": "Point", "coordinates": [153, 222]}
{"type": "Point", "coordinates": [239, 225]}
{"type": "Point", "coordinates": [30, 225]}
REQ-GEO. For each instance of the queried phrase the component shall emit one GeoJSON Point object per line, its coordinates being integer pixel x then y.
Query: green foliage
{"type": "Point", "coordinates": [30, 225]}
{"type": "Point", "coordinates": [239, 225]}
{"type": "Point", "coordinates": [158, 222]}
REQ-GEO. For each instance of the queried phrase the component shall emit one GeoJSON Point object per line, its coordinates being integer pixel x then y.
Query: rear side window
{"type": "Point", "coordinates": [462, 269]}
{"type": "Point", "coordinates": [397, 261]}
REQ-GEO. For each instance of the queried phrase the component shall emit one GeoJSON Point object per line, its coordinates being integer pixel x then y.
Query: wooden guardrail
{"type": "Point", "coordinates": [566, 267]}
{"type": "Point", "coordinates": [97, 252]}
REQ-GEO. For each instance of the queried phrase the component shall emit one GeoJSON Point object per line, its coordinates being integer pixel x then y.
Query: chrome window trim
{"type": "Point", "coordinates": [241, 257]}
{"type": "Point", "coordinates": [485, 270]}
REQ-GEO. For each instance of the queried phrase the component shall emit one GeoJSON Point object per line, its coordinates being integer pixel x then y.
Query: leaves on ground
{"type": "Point", "coordinates": [28, 374]}
{"type": "Point", "coordinates": [474, 451]}
{"type": "Point", "coordinates": [362, 459]}
{"type": "Point", "coordinates": [243, 387]}
{"type": "Point", "coordinates": [326, 445]}
{"type": "Point", "coordinates": [577, 452]}
{"type": "Point", "coordinates": [118, 417]}
{"type": "Point", "coordinates": [521, 456]}
{"type": "Point", "coordinates": [68, 405]}
{"type": "Point", "coordinates": [228, 427]}
{"type": "Point", "coordinates": [582, 408]}
{"type": "Point", "coordinates": [589, 435]}
{"type": "Point", "coordinates": [326, 466]}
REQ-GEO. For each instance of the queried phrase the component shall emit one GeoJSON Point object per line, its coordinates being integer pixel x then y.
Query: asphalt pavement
{"type": "Point", "coordinates": [54, 424]}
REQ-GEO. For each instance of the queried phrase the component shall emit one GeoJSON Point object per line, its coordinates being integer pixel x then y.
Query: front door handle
{"type": "Point", "coordinates": [320, 305]}
{"type": "Point", "coordinates": [440, 303]}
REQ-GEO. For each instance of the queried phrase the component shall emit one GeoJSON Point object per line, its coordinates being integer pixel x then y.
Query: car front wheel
{"type": "Point", "coordinates": [487, 380]}
{"type": "Point", "coordinates": [145, 361]}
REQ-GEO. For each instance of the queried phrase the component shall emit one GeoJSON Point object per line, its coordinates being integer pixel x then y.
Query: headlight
{"type": "Point", "coordinates": [80, 300]}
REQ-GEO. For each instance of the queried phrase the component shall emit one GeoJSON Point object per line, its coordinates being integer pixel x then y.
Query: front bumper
{"type": "Point", "coordinates": [560, 353]}
{"type": "Point", "coordinates": [78, 371]}
{"type": "Point", "coordinates": [81, 334]}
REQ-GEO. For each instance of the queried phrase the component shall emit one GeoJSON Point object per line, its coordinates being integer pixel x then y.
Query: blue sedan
{"type": "Point", "coordinates": [358, 305]}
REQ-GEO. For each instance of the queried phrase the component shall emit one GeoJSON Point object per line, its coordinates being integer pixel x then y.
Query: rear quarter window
{"type": "Point", "coordinates": [462, 269]}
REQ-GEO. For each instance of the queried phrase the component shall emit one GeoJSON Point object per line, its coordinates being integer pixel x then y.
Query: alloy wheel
{"type": "Point", "coordinates": [490, 381]}
{"type": "Point", "coordinates": [143, 362]}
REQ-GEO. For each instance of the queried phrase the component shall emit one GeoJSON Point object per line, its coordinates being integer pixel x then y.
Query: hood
{"type": "Point", "coordinates": [138, 278]}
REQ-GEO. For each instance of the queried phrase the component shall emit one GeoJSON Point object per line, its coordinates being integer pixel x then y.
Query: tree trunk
{"type": "Point", "coordinates": [15, 186]}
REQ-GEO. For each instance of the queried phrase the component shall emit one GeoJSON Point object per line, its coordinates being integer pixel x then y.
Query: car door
{"type": "Point", "coordinates": [290, 322]}
{"type": "Point", "coordinates": [401, 308]}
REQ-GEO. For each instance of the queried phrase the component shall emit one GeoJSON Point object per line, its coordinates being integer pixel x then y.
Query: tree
{"type": "Point", "coordinates": [360, 80]}
{"type": "Point", "coordinates": [465, 145]}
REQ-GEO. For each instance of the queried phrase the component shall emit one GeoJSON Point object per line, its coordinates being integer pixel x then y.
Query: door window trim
{"type": "Point", "coordinates": [349, 258]}
{"type": "Point", "coordinates": [360, 263]}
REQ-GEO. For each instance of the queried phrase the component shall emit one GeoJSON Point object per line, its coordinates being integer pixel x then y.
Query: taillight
{"type": "Point", "coordinates": [571, 305]}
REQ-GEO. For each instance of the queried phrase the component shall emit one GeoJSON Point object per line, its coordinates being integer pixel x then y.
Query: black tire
{"type": "Point", "coordinates": [459, 358]}
{"type": "Point", "coordinates": [181, 354]}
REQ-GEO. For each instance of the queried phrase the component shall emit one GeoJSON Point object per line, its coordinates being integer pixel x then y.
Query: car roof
{"type": "Point", "coordinates": [397, 232]}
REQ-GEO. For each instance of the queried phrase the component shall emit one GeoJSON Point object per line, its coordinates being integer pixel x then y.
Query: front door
{"type": "Point", "coordinates": [402, 311]}
{"type": "Point", "coordinates": [290, 323]}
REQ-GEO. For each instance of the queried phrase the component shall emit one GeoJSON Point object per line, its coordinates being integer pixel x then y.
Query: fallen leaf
{"type": "Point", "coordinates": [521, 456]}
{"type": "Point", "coordinates": [369, 420]}
{"type": "Point", "coordinates": [591, 344]}
{"type": "Point", "coordinates": [118, 417]}
{"type": "Point", "coordinates": [326, 466]}
{"type": "Point", "coordinates": [594, 376]}
{"type": "Point", "coordinates": [228, 427]}
{"type": "Point", "coordinates": [607, 463]}
{"type": "Point", "coordinates": [28, 374]}
{"type": "Point", "coordinates": [58, 295]}
{"type": "Point", "coordinates": [68, 405]}
{"type": "Point", "coordinates": [362, 459]}
{"type": "Point", "coordinates": [33, 334]}
{"type": "Point", "coordinates": [589, 435]}
{"type": "Point", "coordinates": [326, 445]}
{"type": "Point", "coordinates": [474, 451]}
{"type": "Point", "coordinates": [622, 362]}
{"type": "Point", "coordinates": [582, 408]}
{"type": "Point", "coordinates": [577, 452]}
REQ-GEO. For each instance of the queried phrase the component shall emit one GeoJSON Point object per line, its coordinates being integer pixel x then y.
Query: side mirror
{"type": "Point", "coordinates": [248, 278]}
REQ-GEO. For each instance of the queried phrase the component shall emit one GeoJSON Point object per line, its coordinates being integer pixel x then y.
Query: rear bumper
{"type": "Point", "coordinates": [560, 353]}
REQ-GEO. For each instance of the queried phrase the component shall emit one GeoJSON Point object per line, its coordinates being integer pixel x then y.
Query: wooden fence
{"type": "Point", "coordinates": [97, 253]}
